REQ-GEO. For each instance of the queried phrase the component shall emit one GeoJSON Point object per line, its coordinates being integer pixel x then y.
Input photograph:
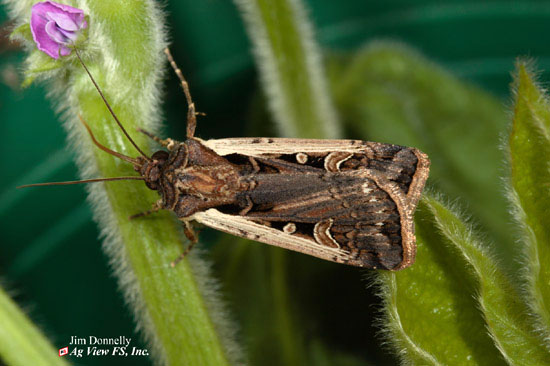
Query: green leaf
{"type": "Point", "coordinates": [504, 308]}
{"type": "Point", "coordinates": [36, 64]}
{"type": "Point", "coordinates": [530, 189]}
{"type": "Point", "coordinates": [432, 317]}
{"type": "Point", "coordinates": [290, 68]}
{"type": "Point", "coordinates": [23, 33]}
{"type": "Point", "coordinates": [431, 308]}
{"type": "Point", "coordinates": [388, 92]}
{"type": "Point", "coordinates": [21, 342]}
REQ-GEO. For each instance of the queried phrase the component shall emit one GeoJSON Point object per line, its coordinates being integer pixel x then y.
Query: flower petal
{"type": "Point", "coordinates": [55, 33]}
{"type": "Point", "coordinates": [77, 15]}
{"type": "Point", "coordinates": [45, 7]}
{"type": "Point", "coordinates": [66, 8]}
{"type": "Point", "coordinates": [41, 37]}
{"type": "Point", "coordinates": [71, 36]}
{"type": "Point", "coordinates": [63, 20]}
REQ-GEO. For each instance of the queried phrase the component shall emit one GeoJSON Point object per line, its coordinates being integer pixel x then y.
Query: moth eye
{"type": "Point", "coordinates": [301, 158]}
{"type": "Point", "coordinates": [160, 155]}
{"type": "Point", "coordinates": [289, 228]}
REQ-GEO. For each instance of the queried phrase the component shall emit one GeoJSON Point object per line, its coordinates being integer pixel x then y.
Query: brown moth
{"type": "Point", "coordinates": [346, 201]}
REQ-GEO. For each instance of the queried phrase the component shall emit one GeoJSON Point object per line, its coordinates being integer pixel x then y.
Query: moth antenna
{"type": "Point", "coordinates": [191, 113]}
{"type": "Point", "coordinates": [106, 149]}
{"type": "Point", "coordinates": [80, 181]}
{"type": "Point", "coordinates": [109, 106]}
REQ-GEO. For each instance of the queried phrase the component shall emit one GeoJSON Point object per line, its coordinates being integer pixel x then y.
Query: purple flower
{"type": "Point", "coordinates": [54, 26]}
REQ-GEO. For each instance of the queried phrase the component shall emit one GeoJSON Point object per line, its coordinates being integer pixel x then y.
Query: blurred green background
{"type": "Point", "coordinates": [50, 255]}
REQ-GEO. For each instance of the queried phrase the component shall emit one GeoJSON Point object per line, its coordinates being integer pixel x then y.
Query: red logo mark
{"type": "Point", "coordinates": [63, 351]}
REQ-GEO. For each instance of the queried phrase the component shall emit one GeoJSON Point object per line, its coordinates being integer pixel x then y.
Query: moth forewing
{"type": "Point", "coordinates": [246, 228]}
{"type": "Point", "coordinates": [261, 146]}
{"type": "Point", "coordinates": [347, 201]}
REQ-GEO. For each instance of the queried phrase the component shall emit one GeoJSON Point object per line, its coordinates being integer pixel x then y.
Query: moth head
{"type": "Point", "coordinates": [151, 170]}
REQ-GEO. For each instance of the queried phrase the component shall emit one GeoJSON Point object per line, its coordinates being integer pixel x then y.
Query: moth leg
{"type": "Point", "coordinates": [190, 234]}
{"type": "Point", "coordinates": [191, 114]}
{"type": "Point", "coordinates": [255, 166]}
{"type": "Point", "coordinates": [157, 206]}
{"type": "Point", "coordinates": [248, 207]}
{"type": "Point", "coordinates": [167, 143]}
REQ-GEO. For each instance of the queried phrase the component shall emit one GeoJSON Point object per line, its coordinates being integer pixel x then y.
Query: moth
{"type": "Point", "coordinates": [346, 201]}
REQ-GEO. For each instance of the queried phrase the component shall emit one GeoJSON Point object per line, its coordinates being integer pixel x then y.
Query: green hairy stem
{"type": "Point", "coordinates": [175, 308]}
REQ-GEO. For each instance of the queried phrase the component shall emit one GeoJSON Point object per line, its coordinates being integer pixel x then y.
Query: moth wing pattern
{"type": "Point", "coordinates": [364, 217]}
{"type": "Point", "coordinates": [246, 228]}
